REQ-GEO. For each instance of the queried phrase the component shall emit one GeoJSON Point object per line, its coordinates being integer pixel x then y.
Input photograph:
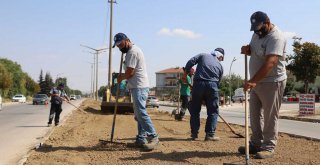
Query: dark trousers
{"type": "Point", "coordinates": [184, 105]}
{"type": "Point", "coordinates": [204, 91]}
{"type": "Point", "coordinates": [55, 112]}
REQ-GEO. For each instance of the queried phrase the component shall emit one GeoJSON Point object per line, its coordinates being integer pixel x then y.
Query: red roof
{"type": "Point", "coordinates": [171, 70]}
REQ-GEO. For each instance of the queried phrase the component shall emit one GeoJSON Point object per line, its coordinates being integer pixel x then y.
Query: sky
{"type": "Point", "coordinates": [46, 35]}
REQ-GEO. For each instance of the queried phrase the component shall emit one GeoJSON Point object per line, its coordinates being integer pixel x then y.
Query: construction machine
{"type": "Point", "coordinates": [125, 103]}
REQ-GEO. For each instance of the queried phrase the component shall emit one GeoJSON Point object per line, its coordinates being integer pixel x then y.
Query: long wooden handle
{"type": "Point", "coordinates": [246, 112]}
{"type": "Point", "coordinates": [117, 99]}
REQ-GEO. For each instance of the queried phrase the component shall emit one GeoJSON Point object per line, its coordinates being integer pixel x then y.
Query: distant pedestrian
{"type": "Point", "coordinates": [56, 94]}
{"type": "Point", "coordinates": [206, 80]}
{"type": "Point", "coordinates": [138, 83]}
{"type": "Point", "coordinates": [185, 91]}
{"type": "Point", "coordinates": [267, 83]}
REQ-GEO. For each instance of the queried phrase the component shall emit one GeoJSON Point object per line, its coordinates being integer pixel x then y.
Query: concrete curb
{"type": "Point", "coordinates": [300, 119]}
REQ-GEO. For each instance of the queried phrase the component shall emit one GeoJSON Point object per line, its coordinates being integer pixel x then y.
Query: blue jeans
{"type": "Point", "coordinates": [145, 126]}
{"type": "Point", "coordinates": [204, 91]}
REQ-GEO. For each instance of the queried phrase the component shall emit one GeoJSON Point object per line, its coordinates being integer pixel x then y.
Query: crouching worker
{"type": "Point", "coordinates": [56, 94]}
{"type": "Point", "coordinates": [136, 74]}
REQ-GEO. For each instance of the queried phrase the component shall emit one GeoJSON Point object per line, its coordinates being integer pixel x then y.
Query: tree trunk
{"type": "Point", "coordinates": [306, 87]}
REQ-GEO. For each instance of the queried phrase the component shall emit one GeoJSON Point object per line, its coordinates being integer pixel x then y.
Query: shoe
{"type": "Point", "coordinates": [253, 149]}
{"type": "Point", "coordinates": [49, 125]}
{"type": "Point", "coordinates": [211, 138]}
{"type": "Point", "coordinates": [135, 145]}
{"type": "Point", "coordinates": [56, 124]}
{"type": "Point", "coordinates": [194, 137]}
{"type": "Point", "coordinates": [151, 145]}
{"type": "Point", "coordinates": [264, 154]}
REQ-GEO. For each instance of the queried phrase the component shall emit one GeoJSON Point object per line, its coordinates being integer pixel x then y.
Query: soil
{"type": "Point", "coordinates": [77, 141]}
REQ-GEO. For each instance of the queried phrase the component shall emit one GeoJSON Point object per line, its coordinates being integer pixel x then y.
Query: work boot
{"type": "Point", "coordinates": [264, 154]}
{"type": "Point", "coordinates": [152, 143]}
{"type": "Point", "coordinates": [253, 149]}
{"type": "Point", "coordinates": [136, 144]}
{"type": "Point", "coordinates": [194, 137]}
{"type": "Point", "coordinates": [49, 124]}
{"type": "Point", "coordinates": [56, 124]}
{"type": "Point", "coordinates": [211, 138]}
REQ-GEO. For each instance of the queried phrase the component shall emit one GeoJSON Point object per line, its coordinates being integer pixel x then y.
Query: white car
{"type": "Point", "coordinates": [0, 102]}
{"type": "Point", "coordinates": [152, 101]}
{"type": "Point", "coordinates": [19, 98]}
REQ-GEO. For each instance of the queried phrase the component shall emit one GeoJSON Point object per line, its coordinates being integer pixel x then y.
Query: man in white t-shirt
{"type": "Point", "coordinates": [136, 74]}
{"type": "Point", "coordinates": [267, 83]}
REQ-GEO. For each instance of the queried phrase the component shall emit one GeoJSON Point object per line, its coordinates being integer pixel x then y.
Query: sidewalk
{"type": "Point", "coordinates": [288, 111]}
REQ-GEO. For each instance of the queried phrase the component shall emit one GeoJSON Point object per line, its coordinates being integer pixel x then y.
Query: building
{"type": "Point", "coordinates": [167, 81]}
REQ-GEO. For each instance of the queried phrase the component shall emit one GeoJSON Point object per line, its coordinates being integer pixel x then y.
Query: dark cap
{"type": "Point", "coordinates": [257, 19]}
{"type": "Point", "coordinates": [220, 50]}
{"type": "Point", "coordinates": [61, 85]}
{"type": "Point", "coordinates": [118, 38]}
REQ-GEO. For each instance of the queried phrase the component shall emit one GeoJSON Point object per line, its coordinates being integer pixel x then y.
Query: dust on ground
{"type": "Point", "coordinates": [77, 141]}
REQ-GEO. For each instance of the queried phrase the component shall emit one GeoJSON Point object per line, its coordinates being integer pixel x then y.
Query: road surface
{"type": "Point", "coordinates": [235, 114]}
{"type": "Point", "coordinates": [23, 126]}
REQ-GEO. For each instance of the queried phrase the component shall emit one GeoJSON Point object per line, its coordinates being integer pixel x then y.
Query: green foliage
{"type": "Point", "coordinates": [102, 90]}
{"type": "Point", "coordinates": [14, 81]}
{"type": "Point", "coordinates": [5, 78]}
{"type": "Point", "coordinates": [230, 82]}
{"type": "Point", "coordinates": [305, 63]}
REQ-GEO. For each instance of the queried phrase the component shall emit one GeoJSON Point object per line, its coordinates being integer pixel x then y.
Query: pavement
{"type": "Point", "coordinates": [288, 110]}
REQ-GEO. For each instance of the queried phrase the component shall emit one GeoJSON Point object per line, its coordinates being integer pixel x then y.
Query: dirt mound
{"type": "Point", "coordinates": [77, 142]}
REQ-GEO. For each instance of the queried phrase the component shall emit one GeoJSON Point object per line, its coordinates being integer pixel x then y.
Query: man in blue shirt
{"type": "Point", "coordinates": [205, 88]}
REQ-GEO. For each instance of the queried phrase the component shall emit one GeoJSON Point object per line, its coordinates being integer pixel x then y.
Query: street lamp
{"type": "Point", "coordinates": [97, 52]}
{"type": "Point", "coordinates": [233, 60]}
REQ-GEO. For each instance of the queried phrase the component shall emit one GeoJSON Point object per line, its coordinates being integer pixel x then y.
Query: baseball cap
{"type": "Point", "coordinates": [61, 85]}
{"type": "Point", "coordinates": [220, 50]}
{"type": "Point", "coordinates": [257, 19]}
{"type": "Point", "coordinates": [118, 38]}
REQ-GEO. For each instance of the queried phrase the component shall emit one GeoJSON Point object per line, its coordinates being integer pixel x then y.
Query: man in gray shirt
{"type": "Point", "coordinates": [267, 83]}
{"type": "Point", "coordinates": [136, 74]}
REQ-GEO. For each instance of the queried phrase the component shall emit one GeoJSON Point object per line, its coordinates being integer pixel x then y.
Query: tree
{"type": "Point", "coordinates": [102, 90]}
{"type": "Point", "coordinates": [305, 63]}
{"type": "Point", "coordinates": [5, 78]}
{"type": "Point", "coordinates": [13, 80]}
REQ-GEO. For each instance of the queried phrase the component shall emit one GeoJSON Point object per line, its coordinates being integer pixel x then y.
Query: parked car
{"type": "Point", "coordinates": [78, 96]}
{"type": "Point", "coordinates": [40, 99]}
{"type": "Point", "coordinates": [152, 101]}
{"type": "Point", "coordinates": [19, 98]}
{"type": "Point", "coordinates": [0, 102]}
{"type": "Point", "coordinates": [73, 97]}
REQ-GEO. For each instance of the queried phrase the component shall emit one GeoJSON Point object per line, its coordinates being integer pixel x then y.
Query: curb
{"type": "Point", "coordinates": [300, 119]}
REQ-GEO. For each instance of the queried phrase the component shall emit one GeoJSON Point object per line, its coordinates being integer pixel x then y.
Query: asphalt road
{"type": "Point", "coordinates": [24, 126]}
{"type": "Point", "coordinates": [236, 115]}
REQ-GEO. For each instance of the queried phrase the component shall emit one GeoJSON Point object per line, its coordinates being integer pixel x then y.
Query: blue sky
{"type": "Point", "coordinates": [45, 34]}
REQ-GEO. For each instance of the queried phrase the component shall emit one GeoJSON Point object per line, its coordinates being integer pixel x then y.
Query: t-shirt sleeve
{"type": "Point", "coordinates": [189, 80]}
{"type": "Point", "coordinates": [51, 91]}
{"type": "Point", "coordinates": [131, 60]}
{"type": "Point", "coordinates": [276, 47]}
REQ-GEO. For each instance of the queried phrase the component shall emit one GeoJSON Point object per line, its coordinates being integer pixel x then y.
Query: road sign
{"type": "Point", "coordinates": [307, 104]}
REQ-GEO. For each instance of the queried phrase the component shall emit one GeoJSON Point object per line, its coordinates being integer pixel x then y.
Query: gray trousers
{"type": "Point", "coordinates": [265, 102]}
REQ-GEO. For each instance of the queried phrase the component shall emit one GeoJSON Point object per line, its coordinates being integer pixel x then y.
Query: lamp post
{"type": "Point", "coordinates": [233, 60]}
{"type": "Point", "coordinates": [97, 52]}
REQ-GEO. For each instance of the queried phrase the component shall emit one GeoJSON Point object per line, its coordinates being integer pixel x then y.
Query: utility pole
{"type": "Point", "coordinates": [110, 43]}
{"type": "Point", "coordinates": [97, 52]}
{"type": "Point", "coordinates": [93, 73]}
{"type": "Point", "coordinates": [233, 60]}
